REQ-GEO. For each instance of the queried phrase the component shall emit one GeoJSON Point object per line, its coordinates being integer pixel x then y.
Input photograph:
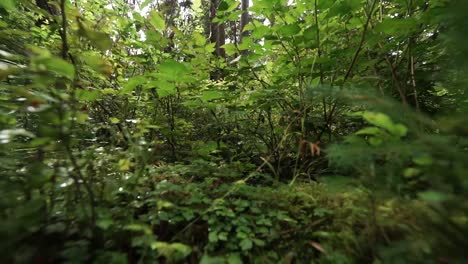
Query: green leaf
{"type": "Point", "coordinates": [310, 33]}
{"type": "Point", "coordinates": [139, 228]}
{"type": "Point", "coordinates": [230, 49]}
{"type": "Point", "coordinates": [211, 95]}
{"type": "Point", "coordinates": [369, 131]}
{"type": "Point", "coordinates": [96, 62]}
{"type": "Point", "coordinates": [375, 141]}
{"type": "Point", "coordinates": [411, 172]}
{"type": "Point", "coordinates": [172, 70]}
{"type": "Point", "coordinates": [399, 130]}
{"type": "Point", "coordinates": [206, 259]}
{"type": "Point", "coordinates": [246, 244]}
{"type": "Point", "coordinates": [87, 95]}
{"type": "Point", "coordinates": [265, 4]}
{"type": "Point", "coordinates": [213, 237]}
{"type": "Point", "coordinates": [260, 31]}
{"type": "Point", "coordinates": [100, 40]}
{"type": "Point", "coordinates": [433, 196]}
{"type": "Point", "coordinates": [182, 249]}
{"type": "Point", "coordinates": [259, 242]}
{"type": "Point", "coordinates": [341, 8]}
{"type": "Point", "coordinates": [234, 259]}
{"type": "Point", "coordinates": [166, 90]}
{"type": "Point", "coordinates": [59, 66]}
{"type": "Point", "coordinates": [173, 67]}
{"type": "Point", "coordinates": [199, 39]}
{"type": "Point", "coordinates": [172, 251]}
{"type": "Point", "coordinates": [105, 223]}
{"type": "Point", "coordinates": [81, 118]}
{"type": "Point", "coordinates": [223, 6]}
{"type": "Point", "coordinates": [223, 236]}
{"type": "Point", "coordinates": [289, 30]}
{"type": "Point", "coordinates": [397, 26]}
{"type": "Point", "coordinates": [114, 120]}
{"type": "Point", "coordinates": [8, 5]}
{"type": "Point", "coordinates": [132, 83]}
{"type": "Point", "coordinates": [383, 121]}
{"type": "Point", "coordinates": [157, 20]}
{"type": "Point", "coordinates": [423, 160]}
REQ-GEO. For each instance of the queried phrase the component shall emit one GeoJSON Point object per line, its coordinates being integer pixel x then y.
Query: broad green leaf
{"type": "Point", "coordinates": [258, 5]}
{"type": "Point", "coordinates": [140, 228]}
{"type": "Point", "coordinates": [289, 30]}
{"type": "Point", "coordinates": [154, 37]}
{"type": "Point", "coordinates": [8, 5]}
{"type": "Point", "coordinates": [173, 67]}
{"type": "Point", "coordinates": [397, 26]}
{"type": "Point", "coordinates": [411, 172]}
{"type": "Point", "coordinates": [159, 84]}
{"type": "Point", "coordinates": [228, 5]}
{"type": "Point", "coordinates": [383, 121]}
{"type": "Point", "coordinates": [433, 196]}
{"type": "Point", "coordinates": [96, 62]}
{"type": "Point", "coordinates": [114, 120]}
{"type": "Point", "coordinates": [59, 66]}
{"type": "Point", "coordinates": [210, 47]}
{"type": "Point", "coordinates": [100, 40]}
{"type": "Point", "coordinates": [369, 131]}
{"type": "Point", "coordinates": [260, 31]}
{"type": "Point", "coordinates": [3, 24]}
{"type": "Point", "coordinates": [199, 39]}
{"type": "Point", "coordinates": [145, 3]}
{"type": "Point", "coordinates": [87, 95]}
{"type": "Point", "coordinates": [246, 42]}
{"type": "Point", "coordinates": [423, 160]}
{"type": "Point", "coordinates": [132, 83]}
{"type": "Point", "coordinates": [82, 118]}
{"type": "Point", "coordinates": [104, 223]}
{"type": "Point", "coordinates": [230, 49]}
{"type": "Point", "coordinates": [124, 164]}
{"type": "Point", "coordinates": [213, 236]}
{"type": "Point", "coordinates": [172, 251]}
{"type": "Point", "coordinates": [206, 259]}
{"type": "Point", "coordinates": [109, 91]}
{"type": "Point", "coordinates": [342, 8]}
{"type": "Point", "coordinates": [246, 244]}
{"type": "Point", "coordinates": [157, 20]}
{"type": "Point", "coordinates": [374, 141]}
{"type": "Point", "coordinates": [223, 6]}
{"type": "Point", "coordinates": [310, 33]}
{"type": "Point", "coordinates": [234, 259]}
{"type": "Point", "coordinates": [174, 71]}
{"type": "Point", "coordinates": [211, 95]}
{"type": "Point", "coordinates": [233, 4]}
{"type": "Point", "coordinates": [164, 91]}
{"type": "Point", "coordinates": [259, 242]}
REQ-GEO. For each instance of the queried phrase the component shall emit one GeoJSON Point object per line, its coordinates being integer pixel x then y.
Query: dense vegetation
{"type": "Point", "coordinates": [225, 131]}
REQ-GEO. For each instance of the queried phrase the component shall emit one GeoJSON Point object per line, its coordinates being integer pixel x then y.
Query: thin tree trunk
{"type": "Point", "coordinates": [244, 19]}
{"type": "Point", "coordinates": [217, 30]}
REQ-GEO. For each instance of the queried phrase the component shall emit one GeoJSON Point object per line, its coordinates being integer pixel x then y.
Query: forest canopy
{"type": "Point", "coordinates": [233, 131]}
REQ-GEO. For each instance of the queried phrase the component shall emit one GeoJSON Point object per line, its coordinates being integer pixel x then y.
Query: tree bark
{"type": "Point", "coordinates": [244, 19]}
{"type": "Point", "coordinates": [217, 33]}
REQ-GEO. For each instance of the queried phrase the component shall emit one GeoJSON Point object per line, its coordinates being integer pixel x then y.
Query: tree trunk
{"type": "Point", "coordinates": [217, 33]}
{"type": "Point", "coordinates": [244, 19]}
